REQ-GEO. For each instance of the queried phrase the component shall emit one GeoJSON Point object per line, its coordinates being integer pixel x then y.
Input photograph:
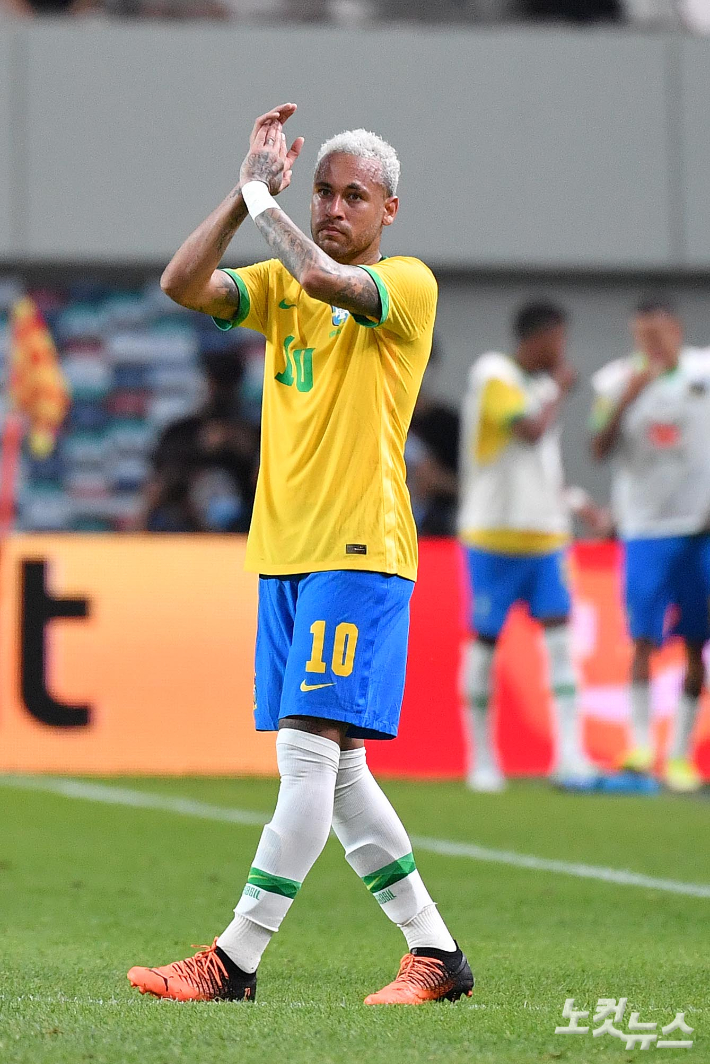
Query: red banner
{"type": "Point", "coordinates": [134, 654]}
{"type": "Point", "coordinates": [431, 741]}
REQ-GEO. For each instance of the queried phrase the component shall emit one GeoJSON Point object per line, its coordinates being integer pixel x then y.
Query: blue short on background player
{"type": "Point", "coordinates": [668, 571]}
{"type": "Point", "coordinates": [501, 580]}
{"type": "Point", "coordinates": [333, 645]}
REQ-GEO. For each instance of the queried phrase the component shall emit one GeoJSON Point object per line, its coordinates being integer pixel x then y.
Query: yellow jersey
{"type": "Point", "coordinates": [339, 392]}
{"type": "Point", "coordinates": [512, 498]}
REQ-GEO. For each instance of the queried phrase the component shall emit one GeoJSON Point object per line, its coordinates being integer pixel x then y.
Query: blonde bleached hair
{"type": "Point", "coordinates": [365, 145]}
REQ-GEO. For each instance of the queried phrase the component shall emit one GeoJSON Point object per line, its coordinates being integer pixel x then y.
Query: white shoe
{"type": "Point", "coordinates": [575, 773]}
{"type": "Point", "coordinates": [486, 780]}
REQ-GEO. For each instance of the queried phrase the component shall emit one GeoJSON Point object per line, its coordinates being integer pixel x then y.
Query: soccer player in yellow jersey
{"type": "Point", "coordinates": [348, 334]}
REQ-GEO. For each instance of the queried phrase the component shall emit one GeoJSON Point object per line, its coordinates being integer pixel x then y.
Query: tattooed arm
{"type": "Point", "coordinates": [192, 277]}
{"type": "Point", "coordinates": [320, 276]}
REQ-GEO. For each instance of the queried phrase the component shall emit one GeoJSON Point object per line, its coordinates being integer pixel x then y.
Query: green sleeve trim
{"type": "Point", "coordinates": [602, 413]}
{"type": "Point", "coordinates": [384, 301]}
{"type": "Point", "coordinates": [287, 888]}
{"type": "Point", "coordinates": [520, 415]}
{"type": "Point", "coordinates": [390, 874]}
{"type": "Point", "coordinates": [244, 305]}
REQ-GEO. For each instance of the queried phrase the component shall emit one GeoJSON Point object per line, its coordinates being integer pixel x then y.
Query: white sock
{"type": "Point", "coordinates": [683, 725]}
{"type": "Point", "coordinates": [425, 930]}
{"type": "Point", "coordinates": [476, 689]}
{"type": "Point", "coordinates": [244, 941]}
{"type": "Point", "coordinates": [289, 845]}
{"type": "Point", "coordinates": [641, 713]}
{"type": "Point", "coordinates": [378, 849]}
{"type": "Point", "coordinates": [563, 685]}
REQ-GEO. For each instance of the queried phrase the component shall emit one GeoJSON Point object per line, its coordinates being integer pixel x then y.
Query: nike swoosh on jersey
{"type": "Point", "coordinates": [314, 686]}
{"type": "Point", "coordinates": [286, 306]}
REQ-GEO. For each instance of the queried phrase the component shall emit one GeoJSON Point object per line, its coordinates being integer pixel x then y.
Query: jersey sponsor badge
{"type": "Point", "coordinates": [340, 316]}
{"type": "Point", "coordinates": [356, 548]}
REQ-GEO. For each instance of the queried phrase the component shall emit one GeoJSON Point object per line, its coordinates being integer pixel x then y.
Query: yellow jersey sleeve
{"type": "Point", "coordinates": [602, 412]}
{"type": "Point", "coordinates": [408, 294]}
{"type": "Point", "coordinates": [253, 284]}
{"type": "Point", "coordinates": [501, 404]}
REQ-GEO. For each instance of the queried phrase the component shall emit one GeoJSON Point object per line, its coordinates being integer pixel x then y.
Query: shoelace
{"type": "Point", "coordinates": [205, 970]}
{"type": "Point", "coordinates": [427, 972]}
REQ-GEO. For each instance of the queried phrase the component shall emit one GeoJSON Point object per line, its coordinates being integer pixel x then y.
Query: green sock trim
{"type": "Point", "coordinates": [564, 689]}
{"type": "Point", "coordinates": [287, 888]}
{"type": "Point", "coordinates": [390, 874]}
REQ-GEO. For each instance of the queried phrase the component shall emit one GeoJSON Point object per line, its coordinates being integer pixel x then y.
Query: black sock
{"type": "Point", "coordinates": [233, 970]}
{"type": "Point", "coordinates": [439, 954]}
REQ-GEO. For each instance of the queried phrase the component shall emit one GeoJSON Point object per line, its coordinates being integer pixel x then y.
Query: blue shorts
{"type": "Point", "coordinates": [500, 580]}
{"type": "Point", "coordinates": [332, 645]}
{"type": "Point", "coordinates": [665, 572]}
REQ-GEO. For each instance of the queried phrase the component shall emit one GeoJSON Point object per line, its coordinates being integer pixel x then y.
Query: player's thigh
{"type": "Point", "coordinates": [648, 565]}
{"type": "Point", "coordinates": [348, 624]}
{"type": "Point", "coordinates": [274, 636]}
{"type": "Point", "coordinates": [548, 594]}
{"type": "Point", "coordinates": [690, 592]}
{"type": "Point", "coordinates": [497, 582]}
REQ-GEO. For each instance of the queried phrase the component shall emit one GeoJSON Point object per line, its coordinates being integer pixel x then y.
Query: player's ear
{"type": "Point", "coordinates": [390, 210]}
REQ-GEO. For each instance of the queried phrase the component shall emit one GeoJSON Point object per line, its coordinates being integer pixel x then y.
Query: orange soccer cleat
{"type": "Point", "coordinates": [431, 976]}
{"type": "Point", "coordinates": [208, 976]}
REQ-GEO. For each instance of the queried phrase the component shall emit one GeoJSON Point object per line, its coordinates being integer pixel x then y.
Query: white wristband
{"type": "Point", "coordinates": [257, 197]}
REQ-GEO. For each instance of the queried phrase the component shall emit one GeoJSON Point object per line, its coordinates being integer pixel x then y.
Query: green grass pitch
{"type": "Point", "coordinates": [87, 890]}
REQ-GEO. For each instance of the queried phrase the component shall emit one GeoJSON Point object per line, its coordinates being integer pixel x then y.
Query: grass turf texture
{"type": "Point", "coordinates": [87, 890]}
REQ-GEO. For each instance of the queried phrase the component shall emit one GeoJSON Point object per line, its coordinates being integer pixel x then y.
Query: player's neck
{"type": "Point", "coordinates": [526, 362]}
{"type": "Point", "coordinates": [367, 257]}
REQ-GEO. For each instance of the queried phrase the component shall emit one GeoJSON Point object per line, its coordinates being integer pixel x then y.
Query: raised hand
{"type": "Point", "coordinates": [268, 159]}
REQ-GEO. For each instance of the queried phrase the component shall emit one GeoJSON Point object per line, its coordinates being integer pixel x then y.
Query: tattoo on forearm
{"type": "Point", "coordinates": [349, 287]}
{"type": "Point", "coordinates": [224, 237]}
{"type": "Point", "coordinates": [228, 230]}
{"type": "Point", "coordinates": [290, 245]}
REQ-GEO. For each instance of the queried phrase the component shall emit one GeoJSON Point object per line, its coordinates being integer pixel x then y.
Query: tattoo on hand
{"type": "Point", "coordinates": [264, 166]}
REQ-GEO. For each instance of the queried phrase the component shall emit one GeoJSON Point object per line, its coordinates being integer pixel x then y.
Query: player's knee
{"type": "Point", "coordinates": [693, 686]}
{"type": "Point", "coordinates": [694, 677]}
{"type": "Point", "coordinates": [641, 665]}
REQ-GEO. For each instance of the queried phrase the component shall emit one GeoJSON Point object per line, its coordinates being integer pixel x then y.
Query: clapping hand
{"type": "Point", "coordinates": [268, 159]}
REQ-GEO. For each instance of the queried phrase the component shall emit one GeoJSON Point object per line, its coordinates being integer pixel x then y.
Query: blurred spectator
{"type": "Point", "coordinates": [30, 8]}
{"type": "Point", "coordinates": [432, 460]}
{"type": "Point", "coordinates": [573, 10]}
{"type": "Point", "coordinates": [205, 465]}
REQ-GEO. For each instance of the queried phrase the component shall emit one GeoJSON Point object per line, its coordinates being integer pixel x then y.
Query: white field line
{"type": "Point", "coordinates": [99, 792]}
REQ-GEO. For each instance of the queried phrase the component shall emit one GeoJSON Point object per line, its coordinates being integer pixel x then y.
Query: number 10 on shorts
{"type": "Point", "coordinates": [344, 646]}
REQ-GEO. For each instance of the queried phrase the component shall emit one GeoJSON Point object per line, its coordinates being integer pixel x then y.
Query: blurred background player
{"type": "Point", "coordinates": [515, 523]}
{"type": "Point", "coordinates": [652, 418]}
